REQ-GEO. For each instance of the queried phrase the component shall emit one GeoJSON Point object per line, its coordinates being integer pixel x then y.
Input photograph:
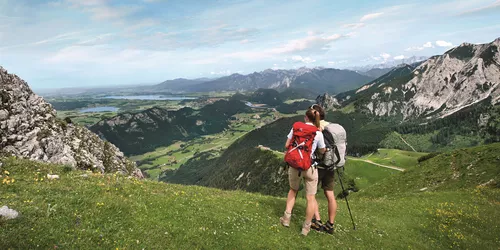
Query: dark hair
{"type": "Point", "coordinates": [320, 110]}
{"type": "Point", "coordinates": [313, 117]}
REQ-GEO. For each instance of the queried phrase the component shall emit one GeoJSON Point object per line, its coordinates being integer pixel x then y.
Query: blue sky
{"type": "Point", "coordinates": [76, 43]}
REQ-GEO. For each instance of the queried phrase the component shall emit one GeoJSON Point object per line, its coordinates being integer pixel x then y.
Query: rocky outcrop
{"type": "Point", "coordinates": [328, 102]}
{"type": "Point", "coordinates": [461, 77]}
{"type": "Point", "coordinates": [30, 129]}
{"type": "Point", "coordinates": [440, 86]}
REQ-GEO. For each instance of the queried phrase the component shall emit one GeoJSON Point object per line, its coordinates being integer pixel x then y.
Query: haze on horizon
{"type": "Point", "coordinates": [77, 43]}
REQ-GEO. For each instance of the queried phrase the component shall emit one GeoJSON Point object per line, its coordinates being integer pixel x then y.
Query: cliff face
{"type": "Point", "coordinates": [440, 86]}
{"type": "Point", "coordinates": [29, 129]}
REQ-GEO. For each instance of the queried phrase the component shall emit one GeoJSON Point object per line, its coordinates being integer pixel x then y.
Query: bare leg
{"type": "Point", "coordinates": [290, 201]}
{"type": "Point", "coordinates": [332, 205]}
{"type": "Point", "coordinates": [316, 213]}
{"type": "Point", "coordinates": [312, 206]}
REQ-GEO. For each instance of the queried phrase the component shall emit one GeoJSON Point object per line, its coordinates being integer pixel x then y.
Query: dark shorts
{"type": "Point", "coordinates": [326, 177]}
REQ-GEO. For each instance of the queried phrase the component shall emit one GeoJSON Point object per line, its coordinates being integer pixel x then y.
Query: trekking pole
{"type": "Point", "coordinates": [343, 191]}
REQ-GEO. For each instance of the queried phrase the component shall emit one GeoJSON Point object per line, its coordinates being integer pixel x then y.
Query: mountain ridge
{"type": "Point", "coordinates": [441, 85]}
{"type": "Point", "coordinates": [316, 79]}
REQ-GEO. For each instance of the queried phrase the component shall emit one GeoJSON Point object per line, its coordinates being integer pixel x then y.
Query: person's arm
{"type": "Point", "coordinates": [287, 143]}
{"type": "Point", "coordinates": [321, 143]}
{"type": "Point", "coordinates": [289, 139]}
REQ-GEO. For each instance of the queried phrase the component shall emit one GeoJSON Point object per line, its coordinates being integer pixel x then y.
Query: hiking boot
{"type": "Point", "coordinates": [285, 219]}
{"type": "Point", "coordinates": [317, 225]}
{"type": "Point", "coordinates": [306, 228]}
{"type": "Point", "coordinates": [329, 227]}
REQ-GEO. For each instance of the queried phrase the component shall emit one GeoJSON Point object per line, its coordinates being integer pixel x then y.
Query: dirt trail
{"type": "Point", "coordinates": [377, 164]}
{"type": "Point", "coordinates": [407, 143]}
{"type": "Point", "coordinates": [350, 158]}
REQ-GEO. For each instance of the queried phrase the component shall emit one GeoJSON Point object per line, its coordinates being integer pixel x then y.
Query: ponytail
{"type": "Point", "coordinates": [317, 119]}
{"type": "Point", "coordinates": [314, 117]}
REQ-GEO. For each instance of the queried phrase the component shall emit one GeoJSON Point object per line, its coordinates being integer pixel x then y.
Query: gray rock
{"type": "Point", "coordinates": [328, 102]}
{"type": "Point", "coordinates": [30, 130]}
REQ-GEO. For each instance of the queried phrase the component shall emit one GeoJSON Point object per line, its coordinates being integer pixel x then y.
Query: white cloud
{"type": "Point", "coordinates": [414, 48]}
{"type": "Point", "coordinates": [420, 48]}
{"type": "Point", "coordinates": [371, 16]}
{"type": "Point", "coordinates": [443, 44]}
{"type": "Point", "coordinates": [401, 57]}
{"type": "Point", "coordinates": [353, 25]}
{"type": "Point", "coordinates": [244, 41]}
{"type": "Point", "coordinates": [493, 5]}
{"type": "Point", "coordinates": [221, 73]}
{"type": "Point", "coordinates": [428, 45]}
{"type": "Point", "coordinates": [309, 43]}
{"type": "Point", "coordinates": [314, 33]}
{"type": "Point", "coordinates": [276, 67]}
{"type": "Point", "coordinates": [385, 56]}
{"type": "Point", "coordinates": [306, 60]}
{"type": "Point", "coordinates": [331, 63]}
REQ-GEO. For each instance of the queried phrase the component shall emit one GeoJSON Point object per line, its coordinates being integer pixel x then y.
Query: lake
{"type": "Point", "coordinates": [151, 97]}
{"type": "Point", "coordinates": [99, 109]}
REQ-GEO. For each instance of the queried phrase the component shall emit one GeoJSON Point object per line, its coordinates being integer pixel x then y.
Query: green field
{"type": "Point", "coordinates": [114, 212]}
{"type": "Point", "coordinates": [395, 157]}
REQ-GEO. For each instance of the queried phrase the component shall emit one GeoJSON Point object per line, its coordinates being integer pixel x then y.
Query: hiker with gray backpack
{"type": "Point", "coordinates": [332, 159]}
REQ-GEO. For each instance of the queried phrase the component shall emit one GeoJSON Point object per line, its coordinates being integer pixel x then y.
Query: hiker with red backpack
{"type": "Point", "coordinates": [303, 140]}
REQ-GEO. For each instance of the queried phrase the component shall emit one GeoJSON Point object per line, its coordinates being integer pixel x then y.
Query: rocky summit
{"type": "Point", "coordinates": [440, 86]}
{"type": "Point", "coordinates": [328, 102]}
{"type": "Point", "coordinates": [30, 129]}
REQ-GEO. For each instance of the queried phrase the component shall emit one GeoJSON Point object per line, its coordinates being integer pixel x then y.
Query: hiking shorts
{"type": "Point", "coordinates": [310, 180]}
{"type": "Point", "coordinates": [326, 177]}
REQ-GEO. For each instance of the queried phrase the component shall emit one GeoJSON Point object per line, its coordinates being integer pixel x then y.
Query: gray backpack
{"type": "Point", "coordinates": [336, 144]}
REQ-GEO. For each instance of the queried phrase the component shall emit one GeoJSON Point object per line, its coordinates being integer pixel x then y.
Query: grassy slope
{"type": "Point", "coordinates": [395, 157]}
{"type": "Point", "coordinates": [114, 212]}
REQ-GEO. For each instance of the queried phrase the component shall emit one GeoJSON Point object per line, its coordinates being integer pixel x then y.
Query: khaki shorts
{"type": "Point", "coordinates": [326, 177]}
{"type": "Point", "coordinates": [310, 180]}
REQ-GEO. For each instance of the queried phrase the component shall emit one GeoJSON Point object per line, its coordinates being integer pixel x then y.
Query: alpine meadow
{"type": "Point", "coordinates": [152, 124]}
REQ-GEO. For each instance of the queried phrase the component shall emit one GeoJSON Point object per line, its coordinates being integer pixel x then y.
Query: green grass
{"type": "Point", "coordinates": [423, 142]}
{"type": "Point", "coordinates": [366, 174]}
{"type": "Point", "coordinates": [112, 211]}
{"type": "Point", "coordinates": [348, 109]}
{"type": "Point", "coordinates": [420, 142]}
{"type": "Point", "coordinates": [395, 157]}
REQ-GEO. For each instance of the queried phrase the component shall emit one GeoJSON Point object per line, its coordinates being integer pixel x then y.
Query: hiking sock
{"type": "Point", "coordinates": [285, 220]}
{"type": "Point", "coordinates": [306, 228]}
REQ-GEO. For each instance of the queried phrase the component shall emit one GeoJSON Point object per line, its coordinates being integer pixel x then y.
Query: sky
{"type": "Point", "coordinates": [88, 43]}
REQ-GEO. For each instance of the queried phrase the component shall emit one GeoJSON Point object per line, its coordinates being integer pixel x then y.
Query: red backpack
{"type": "Point", "coordinates": [298, 154]}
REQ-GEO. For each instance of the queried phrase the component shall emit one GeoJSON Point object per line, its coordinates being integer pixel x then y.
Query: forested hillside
{"type": "Point", "coordinates": [136, 133]}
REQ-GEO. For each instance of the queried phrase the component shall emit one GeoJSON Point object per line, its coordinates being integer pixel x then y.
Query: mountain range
{"type": "Point", "coordinates": [437, 87]}
{"type": "Point", "coordinates": [389, 64]}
